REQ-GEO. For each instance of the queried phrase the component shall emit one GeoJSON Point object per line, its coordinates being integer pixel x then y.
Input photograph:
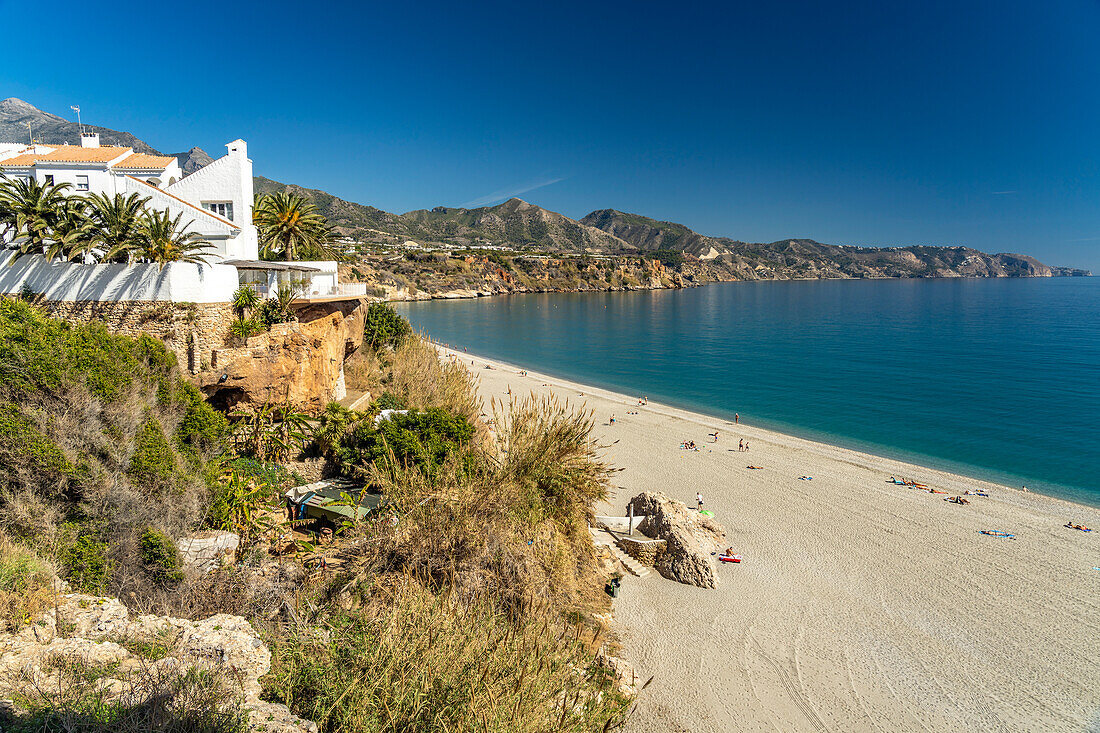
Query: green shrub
{"type": "Point", "coordinates": [383, 327]}
{"type": "Point", "coordinates": [389, 401]}
{"type": "Point", "coordinates": [153, 462]}
{"type": "Point", "coordinates": [87, 567]}
{"type": "Point", "coordinates": [22, 444]}
{"type": "Point", "coordinates": [424, 439]}
{"type": "Point", "coordinates": [40, 354]}
{"type": "Point", "coordinates": [160, 555]}
{"type": "Point", "coordinates": [202, 429]}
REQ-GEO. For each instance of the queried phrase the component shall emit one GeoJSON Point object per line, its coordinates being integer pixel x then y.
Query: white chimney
{"type": "Point", "coordinates": [89, 139]}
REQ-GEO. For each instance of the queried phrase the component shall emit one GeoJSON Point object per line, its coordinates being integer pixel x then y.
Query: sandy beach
{"type": "Point", "coordinates": [860, 605]}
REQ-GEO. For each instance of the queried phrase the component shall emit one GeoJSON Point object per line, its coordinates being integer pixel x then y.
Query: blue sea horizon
{"type": "Point", "coordinates": [998, 379]}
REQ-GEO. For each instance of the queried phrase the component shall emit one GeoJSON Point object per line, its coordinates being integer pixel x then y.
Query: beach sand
{"type": "Point", "coordinates": [860, 605]}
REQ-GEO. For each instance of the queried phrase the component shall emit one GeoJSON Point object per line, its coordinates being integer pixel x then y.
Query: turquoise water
{"type": "Point", "coordinates": [997, 379]}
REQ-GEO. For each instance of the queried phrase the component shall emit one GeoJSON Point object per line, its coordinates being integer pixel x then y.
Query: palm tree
{"type": "Point", "coordinates": [31, 209]}
{"type": "Point", "coordinates": [72, 235]}
{"type": "Point", "coordinates": [118, 225]}
{"type": "Point", "coordinates": [290, 228]}
{"type": "Point", "coordinates": [166, 241]}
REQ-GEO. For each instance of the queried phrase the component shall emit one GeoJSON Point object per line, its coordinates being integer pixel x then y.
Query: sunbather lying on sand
{"type": "Point", "coordinates": [805, 478]}
{"type": "Point", "coordinates": [957, 500]}
{"type": "Point", "coordinates": [1081, 527]}
{"type": "Point", "coordinates": [755, 468]}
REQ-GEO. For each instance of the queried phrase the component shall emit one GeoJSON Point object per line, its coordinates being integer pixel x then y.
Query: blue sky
{"type": "Point", "coordinates": [936, 122]}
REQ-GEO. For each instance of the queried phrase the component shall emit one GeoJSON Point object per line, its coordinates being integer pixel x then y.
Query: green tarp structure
{"type": "Point", "coordinates": [321, 500]}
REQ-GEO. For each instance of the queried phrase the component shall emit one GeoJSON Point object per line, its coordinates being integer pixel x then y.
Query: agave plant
{"type": "Point", "coordinates": [245, 299]}
{"type": "Point", "coordinates": [291, 228]}
{"type": "Point", "coordinates": [118, 225]}
{"type": "Point", "coordinates": [167, 241]}
{"type": "Point", "coordinates": [31, 209]}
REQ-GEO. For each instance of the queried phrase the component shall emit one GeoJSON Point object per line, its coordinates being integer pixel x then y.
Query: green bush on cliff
{"type": "Point", "coordinates": [383, 327]}
{"type": "Point", "coordinates": [40, 354]}
{"type": "Point", "coordinates": [422, 439]}
{"type": "Point", "coordinates": [153, 461]}
{"type": "Point", "coordinates": [160, 555]}
{"type": "Point", "coordinates": [202, 428]}
{"type": "Point", "coordinates": [23, 444]}
{"type": "Point", "coordinates": [87, 565]}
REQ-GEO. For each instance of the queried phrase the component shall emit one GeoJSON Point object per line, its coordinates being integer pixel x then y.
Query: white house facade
{"type": "Point", "coordinates": [215, 203]}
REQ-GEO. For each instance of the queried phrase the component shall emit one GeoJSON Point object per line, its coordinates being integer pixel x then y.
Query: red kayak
{"type": "Point", "coordinates": [730, 558]}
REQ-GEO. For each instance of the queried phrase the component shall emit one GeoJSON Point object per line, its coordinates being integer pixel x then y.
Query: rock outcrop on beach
{"type": "Point", "coordinates": [131, 660]}
{"type": "Point", "coordinates": [690, 538]}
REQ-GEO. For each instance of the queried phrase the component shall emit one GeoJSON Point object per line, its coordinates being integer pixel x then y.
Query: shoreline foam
{"type": "Point", "coordinates": [861, 605]}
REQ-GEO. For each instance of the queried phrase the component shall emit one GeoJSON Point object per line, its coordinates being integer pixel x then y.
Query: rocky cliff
{"type": "Point", "coordinates": [299, 363]}
{"type": "Point", "coordinates": [424, 276]}
{"type": "Point", "coordinates": [91, 648]}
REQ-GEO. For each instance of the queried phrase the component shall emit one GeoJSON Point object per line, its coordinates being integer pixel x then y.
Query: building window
{"type": "Point", "coordinates": [49, 179]}
{"type": "Point", "coordinates": [82, 183]}
{"type": "Point", "coordinates": [223, 209]}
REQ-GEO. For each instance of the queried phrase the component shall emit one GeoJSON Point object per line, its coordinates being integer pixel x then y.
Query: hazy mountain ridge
{"type": "Point", "coordinates": [806, 258]}
{"type": "Point", "coordinates": [517, 224]}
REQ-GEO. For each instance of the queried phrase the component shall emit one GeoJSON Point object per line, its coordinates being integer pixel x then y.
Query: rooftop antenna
{"type": "Point", "coordinates": [77, 110]}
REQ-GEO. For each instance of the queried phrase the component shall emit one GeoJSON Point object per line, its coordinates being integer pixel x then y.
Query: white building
{"type": "Point", "coordinates": [215, 203]}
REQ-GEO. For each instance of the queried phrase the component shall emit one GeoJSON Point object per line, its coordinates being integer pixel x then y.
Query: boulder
{"type": "Point", "coordinates": [208, 551]}
{"type": "Point", "coordinates": [96, 632]}
{"type": "Point", "coordinates": [689, 537]}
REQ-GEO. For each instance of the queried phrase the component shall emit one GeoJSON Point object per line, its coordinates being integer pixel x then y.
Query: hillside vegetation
{"type": "Point", "coordinates": [471, 599]}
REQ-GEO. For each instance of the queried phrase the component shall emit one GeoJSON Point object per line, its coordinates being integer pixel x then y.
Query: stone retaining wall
{"type": "Point", "coordinates": [645, 551]}
{"type": "Point", "coordinates": [189, 330]}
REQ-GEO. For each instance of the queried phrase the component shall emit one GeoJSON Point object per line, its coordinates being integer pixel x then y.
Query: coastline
{"type": "Point", "coordinates": [861, 605]}
{"type": "Point", "coordinates": [903, 466]}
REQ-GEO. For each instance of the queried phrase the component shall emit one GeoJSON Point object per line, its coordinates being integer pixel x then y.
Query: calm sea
{"type": "Point", "coordinates": [997, 379]}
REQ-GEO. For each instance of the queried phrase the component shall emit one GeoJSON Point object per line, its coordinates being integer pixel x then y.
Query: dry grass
{"type": "Point", "coordinates": [163, 699]}
{"type": "Point", "coordinates": [416, 660]}
{"type": "Point", "coordinates": [421, 380]}
{"type": "Point", "coordinates": [26, 585]}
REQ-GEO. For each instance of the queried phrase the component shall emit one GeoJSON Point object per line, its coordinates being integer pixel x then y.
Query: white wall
{"type": "Point", "coordinates": [229, 178]}
{"type": "Point", "coordinates": [178, 282]}
{"type": "Point", "coordinates": [100, 180]}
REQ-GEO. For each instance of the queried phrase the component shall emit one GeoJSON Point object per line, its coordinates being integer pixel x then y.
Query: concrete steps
{"type": "Point", "coordinates": [603, 537]}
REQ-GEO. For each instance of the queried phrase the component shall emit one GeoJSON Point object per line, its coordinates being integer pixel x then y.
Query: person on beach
{"type": "Point", "coordinates": [715, 436]}
{"type": "Point", "coordinates": [741, 446]}
{"type": "Point", "coordinates": [699, 498]}
{"type": "Point", "coordinates": [736, 418]}
{"type": "Point", "coordinates": [612, 422]}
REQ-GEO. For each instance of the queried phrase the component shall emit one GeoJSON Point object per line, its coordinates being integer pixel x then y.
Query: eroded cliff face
{"type": "Point", "coordinates": [301, 364]}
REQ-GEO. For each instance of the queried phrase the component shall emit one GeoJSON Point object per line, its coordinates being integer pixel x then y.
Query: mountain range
{"type": "Point", "coordinates": [519, 225]}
